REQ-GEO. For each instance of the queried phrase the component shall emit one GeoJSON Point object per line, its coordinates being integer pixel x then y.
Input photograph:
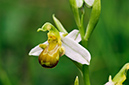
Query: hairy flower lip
{"type": "Point", "coordinates": [52, 66]}
{"type": "Point", "coordinates": [82, 55]}
{"type": "Point", "coordinates": [43, 60]}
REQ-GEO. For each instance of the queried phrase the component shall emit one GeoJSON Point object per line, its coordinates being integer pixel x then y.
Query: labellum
{"type": "Point", "coordinates": [49, 57]}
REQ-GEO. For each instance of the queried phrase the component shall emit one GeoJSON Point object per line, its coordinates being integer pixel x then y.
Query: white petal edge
{"type": "Point", "coordinates": [36, 50]}
{"type": "Point", "coordinates": [79, 3]}
{"type": "Point", "coordinates": [75, 35]}
{"type": "Point", "coordinates": [89, 2]}
{"type": "Point", "coordinates": [75, 51]}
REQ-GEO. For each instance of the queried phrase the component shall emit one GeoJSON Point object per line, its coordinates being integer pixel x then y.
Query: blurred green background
{"type": "Point", "coordinates": [19, 20]}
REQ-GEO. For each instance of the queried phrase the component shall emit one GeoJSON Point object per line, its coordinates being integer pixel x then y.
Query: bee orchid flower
{"type": "Point", "coordinates": [58, 44]}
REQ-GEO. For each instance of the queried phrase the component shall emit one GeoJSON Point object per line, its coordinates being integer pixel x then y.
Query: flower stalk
{"type": "Point", "coordinates": [85, 71]}
{"type": "Point", "coordinates": [95, 13]}
{"type": "Point", "coordinates": [76, 14]}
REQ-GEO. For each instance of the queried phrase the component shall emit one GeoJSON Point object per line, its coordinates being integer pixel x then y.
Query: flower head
{"type": "Point", "coordinates": [59, 44]}
{"type": "Point", "coordinates": [49, 57]}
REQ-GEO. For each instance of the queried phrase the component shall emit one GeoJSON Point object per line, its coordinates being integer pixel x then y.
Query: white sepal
{"type": "Point", "coordinates": [75, 51]}
{"type": "Point", "coordinates": [36, 50]}
{"type": "Point", "coordinates": [75, 35]}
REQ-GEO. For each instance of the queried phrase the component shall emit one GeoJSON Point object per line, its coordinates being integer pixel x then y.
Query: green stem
{"type": "Point", "coordinates": [79, 22]}
{"type": "Point", "coordinates": [81, 29]}
{"type": "Point", "coordinates": [85, 71]}
{"type": "Point", "coordinates": [77, 17]}
{"type": "Point", "coordinates": [84, 43]}
{"type": "Point", "coordinates": [95, 13]}
{"type": "Point", "coordinates": [85, 68]}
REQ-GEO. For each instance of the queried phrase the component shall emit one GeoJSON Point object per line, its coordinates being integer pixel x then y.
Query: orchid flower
{"type": "Point", "coordinates": [89, 3]}
{"type": "Point", "coordinates": [58, 44]}
{"type": "Point", "coordinates": [120, 76]}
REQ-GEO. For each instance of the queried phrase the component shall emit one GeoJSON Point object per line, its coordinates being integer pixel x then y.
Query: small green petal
{"type": "Point", "coordinates": [48, 26]}
{"type": "Point", "coordinates": [53, 32]}
{"type": "Point", "coordinates": [59, 25]}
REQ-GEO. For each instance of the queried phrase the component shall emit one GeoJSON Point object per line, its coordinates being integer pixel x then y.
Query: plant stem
{"type": "Point", "coordinates": [95, 13]}
{"type": "Point", "coordinates": [85, 71]}
{"type": "Point", "coordinates": [85, 68]}
{"type": "Point", "coordinates": [79, 22]}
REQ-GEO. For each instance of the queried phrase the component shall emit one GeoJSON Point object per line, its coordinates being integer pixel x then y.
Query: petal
{"type": "Point", "coordinates": [79, 3]}
{"type": "Point", "coordinates": [89, 2]}
{"type": "Point", "coordinates": [75, 51]}
{"type": "Point", "coordinates": [36, 50]}
{"type": "Point", "coordinates": [75, 35]}
{"type": "Point", "coordinates": [59, 25]}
